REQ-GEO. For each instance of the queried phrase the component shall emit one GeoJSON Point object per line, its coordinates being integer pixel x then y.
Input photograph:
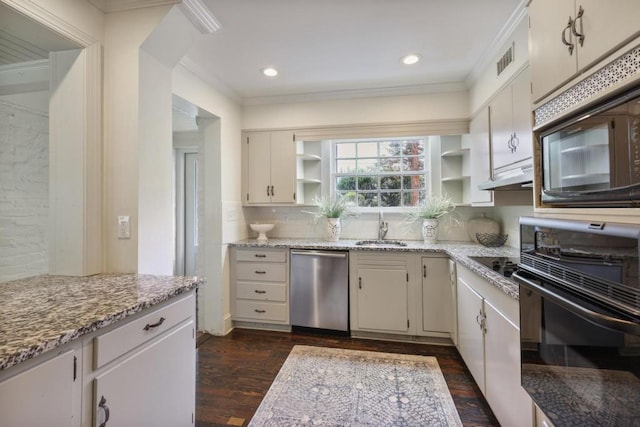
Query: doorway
{"type": "Point", "coordinates": [186, 212]}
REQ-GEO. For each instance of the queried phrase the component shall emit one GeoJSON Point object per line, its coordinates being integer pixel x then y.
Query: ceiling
{"type": "Point", "coordinates": [342, 47]}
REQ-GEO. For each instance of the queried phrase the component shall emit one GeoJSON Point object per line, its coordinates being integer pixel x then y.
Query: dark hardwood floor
{"type": "Point", "coordinates": [234, 373]}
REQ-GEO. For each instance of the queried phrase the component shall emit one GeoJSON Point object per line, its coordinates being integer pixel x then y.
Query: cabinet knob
{"type": "Point", "coordinates": [103, 413]}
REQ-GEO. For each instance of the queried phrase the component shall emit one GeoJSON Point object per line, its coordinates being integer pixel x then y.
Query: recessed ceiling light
{"type": "Point", "coordinates": [270, 72]}
{"type": "Point", "coordinates": [410, 59]}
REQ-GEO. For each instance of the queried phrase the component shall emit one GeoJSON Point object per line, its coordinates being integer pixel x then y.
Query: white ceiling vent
{"type": "Point", "coordinates": [505, 60]}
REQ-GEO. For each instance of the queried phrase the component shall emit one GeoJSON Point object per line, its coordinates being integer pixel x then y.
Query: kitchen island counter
{"type": "Point", "coordinates": [458, 251]}
{"type": "Point", "coordinates": [40, 313]}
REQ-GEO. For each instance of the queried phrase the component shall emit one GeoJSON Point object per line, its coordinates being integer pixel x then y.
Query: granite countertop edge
{"type": "Point", "coordinates": [459, 251]}
{"type": "Point", "coordinates": [174, 286]}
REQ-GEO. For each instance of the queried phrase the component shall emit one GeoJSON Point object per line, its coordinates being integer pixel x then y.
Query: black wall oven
{"type": "Point", "coordinates": [580, 320]}
{"type": "Point", "coordinates": [593, 157]}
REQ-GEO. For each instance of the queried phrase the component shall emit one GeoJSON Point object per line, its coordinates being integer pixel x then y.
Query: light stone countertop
{"type": "Point", "coordinates": [458, 251]}
{"type": "Point", "coordinates": [40, 313]}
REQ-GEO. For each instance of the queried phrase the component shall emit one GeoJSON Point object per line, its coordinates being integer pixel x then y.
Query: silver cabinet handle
{"type": "Point", "coordinates": [105, 409]}
{"type": "Point", "coordinates": [154, 325]}
{"type": "Point", "coordinates": [320, 254]}
{"type": "Point", "coordinates": [574, 31]}
{"type": "Point", "coordinates": [569, 45]}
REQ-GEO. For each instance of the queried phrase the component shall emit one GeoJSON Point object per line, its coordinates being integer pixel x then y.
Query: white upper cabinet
{"type": "Point", "coordinates": [511, 136]}
{"type": "Point", "coordinates": [568, 36]}
{"type": "Point", "coordinates": [270, 168]}
{"type": "Point", "coordinates": [481, 154]}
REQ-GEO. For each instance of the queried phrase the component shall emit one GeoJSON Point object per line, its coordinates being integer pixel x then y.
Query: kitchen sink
{"type": "Point", "coordinates": [380, 243]}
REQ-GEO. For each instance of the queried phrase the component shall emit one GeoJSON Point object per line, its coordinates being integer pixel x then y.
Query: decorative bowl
{"type": "Point", "coordinates": [491, 240]}
{"type": "Point", "coordinates": [262, 230]}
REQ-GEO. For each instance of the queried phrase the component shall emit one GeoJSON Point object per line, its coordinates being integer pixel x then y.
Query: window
{"type": "Point", "coordinates": [381, 173]}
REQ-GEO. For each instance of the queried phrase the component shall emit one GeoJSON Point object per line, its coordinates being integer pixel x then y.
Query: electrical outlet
{"type": "Point", "coordinates": [124, 227]}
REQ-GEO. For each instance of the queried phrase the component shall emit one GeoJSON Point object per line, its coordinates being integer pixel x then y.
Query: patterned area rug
{"type": "Point", "coordinates": [335, 387]}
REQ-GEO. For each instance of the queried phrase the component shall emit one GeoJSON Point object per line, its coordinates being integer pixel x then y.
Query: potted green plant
{"type": "Point", "coordinates": [432, 208]}
{"type": "Point", "coordinates": [333, 209]}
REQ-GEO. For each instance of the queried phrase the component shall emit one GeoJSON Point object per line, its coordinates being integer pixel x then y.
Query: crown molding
{"type": "Point", "coordinates": [356, 93]}
{"type": "Point", "coordinates": [43, 16]}
{"type": "Point", "coordinates": [498, 42]}
{"type": "Point", "coordinates": [24, 77]}
{"type": "Point", "coordinates": [110, 6]}
{"type": "Point", "coordinates": [195, 68]}
{"type": "Point", "coordinates": [200, 16]}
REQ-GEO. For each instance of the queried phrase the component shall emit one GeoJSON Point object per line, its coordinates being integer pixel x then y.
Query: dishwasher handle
{"type": "Point", "coordinates": [320, 254]}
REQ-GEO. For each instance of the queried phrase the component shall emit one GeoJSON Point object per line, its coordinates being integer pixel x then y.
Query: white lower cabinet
{"type": "Point", "coordinates": [380, 292]}
{"type": "Point", "coordinates": [154, 386]}
{"type": "Point", "coordinates": [140, 371]}
{"type": "Point", "coordinates": [470, 330]}
{"type": "Point", "coordinates": [44, 394]}
{"type": "Point", "coordinates": [401, 293]}
{"type": "Point", "coordinates": [260, 285]}
{"type": "Point", "coordinates": [489, 343]}
{"type": "Point", "coordinates": [437, 303]}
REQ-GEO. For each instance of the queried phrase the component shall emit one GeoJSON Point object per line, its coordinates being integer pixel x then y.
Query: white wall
{"type": "Point", "coordinates": [388, 109]}
{"type": "Point", "coordinates": [24, 189]}
{"type": "Point", "coordinates": [221, 176]}
{"type": "Point", "coordinates": [488, 82]}
{"type": "Point", "coordinates": [124, 34]}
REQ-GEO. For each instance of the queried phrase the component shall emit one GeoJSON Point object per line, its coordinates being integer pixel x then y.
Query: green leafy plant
{"type": "Point", "coordinates": [338, 207]}
{"type": "Point", "coordinates": [433, 207]}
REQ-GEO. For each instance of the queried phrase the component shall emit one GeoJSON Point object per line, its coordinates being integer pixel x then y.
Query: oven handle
{"type": "Point", "coordinates": [596, 318]}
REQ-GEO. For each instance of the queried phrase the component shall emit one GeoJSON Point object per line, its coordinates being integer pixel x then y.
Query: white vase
{"type": "Point", "coordinates": [430, 230]}
{"type": "Point", "coordinates": [334, 228]}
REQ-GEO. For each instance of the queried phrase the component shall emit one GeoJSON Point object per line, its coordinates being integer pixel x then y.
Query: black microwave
{"type": "Point", "coordinates": [593, 158]}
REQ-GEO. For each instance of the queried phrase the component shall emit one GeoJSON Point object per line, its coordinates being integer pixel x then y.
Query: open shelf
{"type": "Point", "coordinates": [308, 157]}
{"type": "Point", "coordinates": [455, 153]}
{"type": "Point", "coordinates": [583, 149]}
{"type": "Point", "coordinates": [455, 178]}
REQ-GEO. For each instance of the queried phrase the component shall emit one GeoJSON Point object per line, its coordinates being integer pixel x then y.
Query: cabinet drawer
{"type": "Point", "coordinates": [117, 342]}
{"type": "Point", "coordinates": [261, 272]}
{"type": "Point", "coordinates": [262, 291]}
{"type": "Point", "coordinates": [263, 311]}
{"type": "Point", "coordinates": [261, 256]}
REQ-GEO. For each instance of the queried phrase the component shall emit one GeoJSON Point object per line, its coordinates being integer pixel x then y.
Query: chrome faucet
{"type": "Point", "coordinates": [383, 226]}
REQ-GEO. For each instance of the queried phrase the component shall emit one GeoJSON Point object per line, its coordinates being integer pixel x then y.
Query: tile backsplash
{"type": "Point", "coordinates": [295, 222]}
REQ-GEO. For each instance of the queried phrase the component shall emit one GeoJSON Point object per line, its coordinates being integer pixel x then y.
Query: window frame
{"type": "Point", "coordinates": [425, 174]}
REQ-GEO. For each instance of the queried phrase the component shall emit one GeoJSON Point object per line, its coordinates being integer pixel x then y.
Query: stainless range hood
{"type": "Point", "coordinates": [514, 179]}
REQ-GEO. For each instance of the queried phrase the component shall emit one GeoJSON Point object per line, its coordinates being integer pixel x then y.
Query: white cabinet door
{"type": "Point", "coordinates": [41, 396]}
{"type": "Point", "coordinates": [511, 135]}
{"type": "Point", "coordinates": [382, 299]}
{"type": "Point", "coordinates": [501, 109]}
{"type": "Point", "coordinates": [605, 25]}
{"type": "Point", "coordinates": [481, 157]}
{"type": "Point", "coordinates": [509, 401]}
{"type": "Point", "coordinates": [522, 120]}
{"type": "Point", "coordinates": [283, 167]}
{"type": "Point", "coordinates": [152, 387]}
{"type": "Point", "coordinates": [437, 304]}
{"type": "Point", "coordinates": [258, 168]}
{"type": "Point", "coordinates": [470, 331]}
{"type": "Point", "coordinates": [271, 167]}
{"type": "Point", "coordinates": [550, 60]}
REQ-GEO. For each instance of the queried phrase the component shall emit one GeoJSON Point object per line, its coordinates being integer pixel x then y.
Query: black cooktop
{"type": "Point", "coordinates": [503, 265]}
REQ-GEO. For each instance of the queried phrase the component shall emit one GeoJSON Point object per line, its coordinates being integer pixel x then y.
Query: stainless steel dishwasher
{"type": "Point", "coordinates": [320, 289]}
